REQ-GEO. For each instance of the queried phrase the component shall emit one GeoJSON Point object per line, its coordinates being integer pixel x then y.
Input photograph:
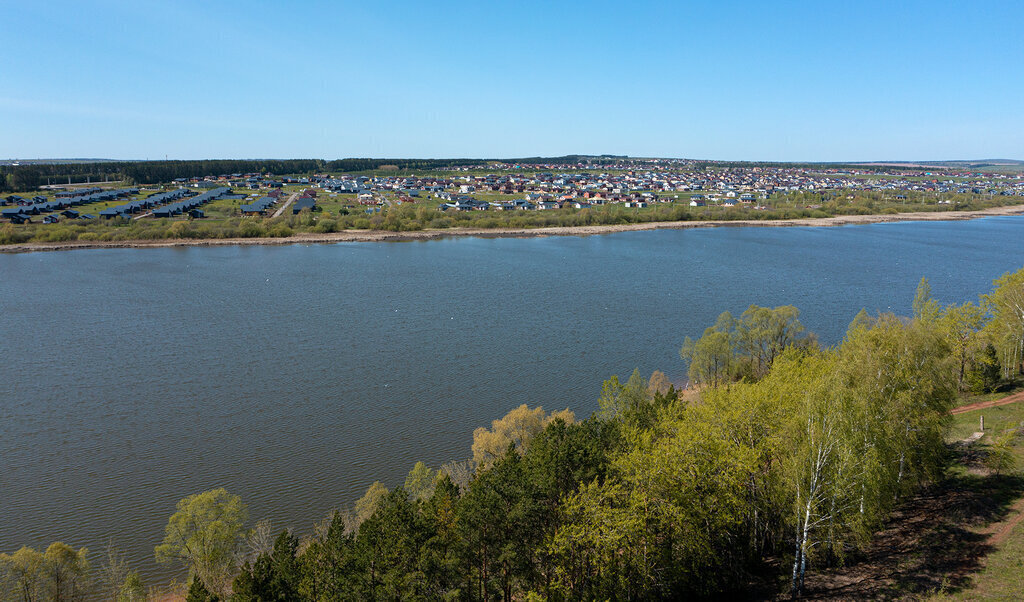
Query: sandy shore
{"type": "Point", "coordinates": [381, 236]}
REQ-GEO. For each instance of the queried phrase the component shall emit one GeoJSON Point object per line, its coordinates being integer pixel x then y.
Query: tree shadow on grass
{"type": "Point", "coordinates": [931, 543]}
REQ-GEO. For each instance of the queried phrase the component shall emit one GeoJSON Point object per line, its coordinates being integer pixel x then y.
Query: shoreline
{"type": "Point", "coordinates": [416, 235]}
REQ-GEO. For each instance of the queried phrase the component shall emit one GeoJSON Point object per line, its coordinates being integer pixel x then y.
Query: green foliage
{"type": "Point", "coordinates": [59, 573]}
{"type": "Point", "coordinates": [744, 347]}
{"type": "Point", "coordinates": [1006, 329]}
{"type": "Point", "coordinates": [711, 358]}
{"type": "Point", "coordinates": [1000, 458]}
{"type": "Point", "coordinates": [132, 590]}
{"type": "Point", "coordinates": [198, 592]}
{"type": "Point", "coordinates": [367, 505]}
{"type": "Point", "coordinates": [419, 484]}
{"type": "Point", "coordinates": [983, 375]}
{"type": "Point", "coordinates": [205, 534]}
{"type": "Point", "coordinates": [961, 326]}
{"type": "Point", "coordinates": [273, 576]}
{"type": "Point", "coordinates": [924, 306]}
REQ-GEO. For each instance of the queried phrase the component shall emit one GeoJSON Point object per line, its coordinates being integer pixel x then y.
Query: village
{"type": "Point", "coordinates": [632, 184]}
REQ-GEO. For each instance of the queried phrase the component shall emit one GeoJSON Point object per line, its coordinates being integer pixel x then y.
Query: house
{"type": "Point", "coordinates": [51, 219]}
{"type": "Point", "coordinates": [470, 204]}
{"type": "Point", "coordinates": [303, 203]}
{"type": "Point", "coordinates": [259, 206]}
{"type": "Point", "coordinates": [196, 214]}
{"type": "Point", "coordinates": [69, 213]}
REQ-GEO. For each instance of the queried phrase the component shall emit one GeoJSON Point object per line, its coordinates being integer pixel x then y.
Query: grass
{"type": "Point", "coordinates": [1000, 575]}
{"type": "Point", "coordinates": [957, 539]}
{"type": "Point", "coordinates": [1008, 388]}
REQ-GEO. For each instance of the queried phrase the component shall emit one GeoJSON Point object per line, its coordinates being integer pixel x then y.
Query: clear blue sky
{"type": "Point", "coordinates": [765, 80]}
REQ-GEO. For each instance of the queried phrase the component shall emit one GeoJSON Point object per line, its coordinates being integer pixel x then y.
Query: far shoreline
{"type": "Point", "coordinates": [418, 235]}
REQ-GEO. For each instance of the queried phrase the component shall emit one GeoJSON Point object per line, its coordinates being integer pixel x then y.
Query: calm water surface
{"type": "Point", "coordinates": [295, 376]}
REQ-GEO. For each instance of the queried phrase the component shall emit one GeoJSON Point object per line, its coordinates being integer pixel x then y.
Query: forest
{"type": "Point", "coordinates": [780, 458]}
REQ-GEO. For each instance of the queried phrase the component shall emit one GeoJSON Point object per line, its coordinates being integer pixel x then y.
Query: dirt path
{"type": "Point", "coordinates": [998, 533]}
{"type": "Point", "coordinates": [981, 405]}
{"type": "Point", "coordinates": [285, 206]}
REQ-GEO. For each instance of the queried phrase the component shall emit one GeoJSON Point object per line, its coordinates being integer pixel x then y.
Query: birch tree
{"type": "Point", "coordinates": [1006, 306]}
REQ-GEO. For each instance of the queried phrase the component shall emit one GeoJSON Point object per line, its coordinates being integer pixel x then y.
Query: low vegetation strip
{"type": "Point", "coordinates": [264, 232]}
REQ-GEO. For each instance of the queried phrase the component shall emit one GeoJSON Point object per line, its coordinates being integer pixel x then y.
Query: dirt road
{"type": "Point", "coordinates": [981, 405]}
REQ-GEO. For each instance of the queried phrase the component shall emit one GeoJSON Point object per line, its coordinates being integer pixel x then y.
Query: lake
{"type": "Point", "coordinates": [295, 376]}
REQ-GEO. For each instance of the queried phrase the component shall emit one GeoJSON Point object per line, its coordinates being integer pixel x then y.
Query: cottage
{"type": "Point", "coordinates": [304, 203]}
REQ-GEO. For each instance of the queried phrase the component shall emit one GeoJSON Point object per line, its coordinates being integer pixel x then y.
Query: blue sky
{"type": "Point", "coordinates": [781, 80]}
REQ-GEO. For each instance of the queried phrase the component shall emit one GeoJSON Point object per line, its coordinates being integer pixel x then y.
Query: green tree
{"type": "Point", "coordinates": [442, 556]}
{"type": "Point", "coordinates": [273, 576]}
{"type": "Point", "coordinates": [419, 483]}
{"type": "Point", "coordinates": [367, 505]}
{"type": "Point", "coordinates": [763, 333]}
{"type": "Point", "coordinates": [327, 567]}
{"type": "Point", "coordinates": [22, 574]}
{"type": "Point", "coordinates": [1006, 306]}
{"type": "Point", "coordinates": [387, 550]}
{"type": "Point", "coordinates": [924, 306]}
{"type": "Point", "coordinates": [961, 325]}
{"type": "Point", "coordinates": [66, 572]}
{"type": "Point", "coordinates": [983, 375]}
{"type": "Point", "coordinates": [198, 592]}
{"type": "Point", "coordinates": [24, 179]}
{"type": "Point", "coordinates": [132, 590]}
{"type": "Point", "coordinates": [711, 358]}
{"type": "Point", "coordinates": [499, 522]}
{"type": "Point", "coordinates": [619, 400]}
{"type": "Point", "coordinates": [205, 534]}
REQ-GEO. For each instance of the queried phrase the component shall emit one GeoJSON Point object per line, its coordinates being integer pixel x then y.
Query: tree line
{"type": "Point", "coordinates": [780, 453]}
{"type": "Point", "coordinates": [30, 176]}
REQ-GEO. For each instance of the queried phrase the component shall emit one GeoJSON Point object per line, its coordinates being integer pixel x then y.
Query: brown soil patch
{"type": "Point", "coordinates": [989, 404]}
